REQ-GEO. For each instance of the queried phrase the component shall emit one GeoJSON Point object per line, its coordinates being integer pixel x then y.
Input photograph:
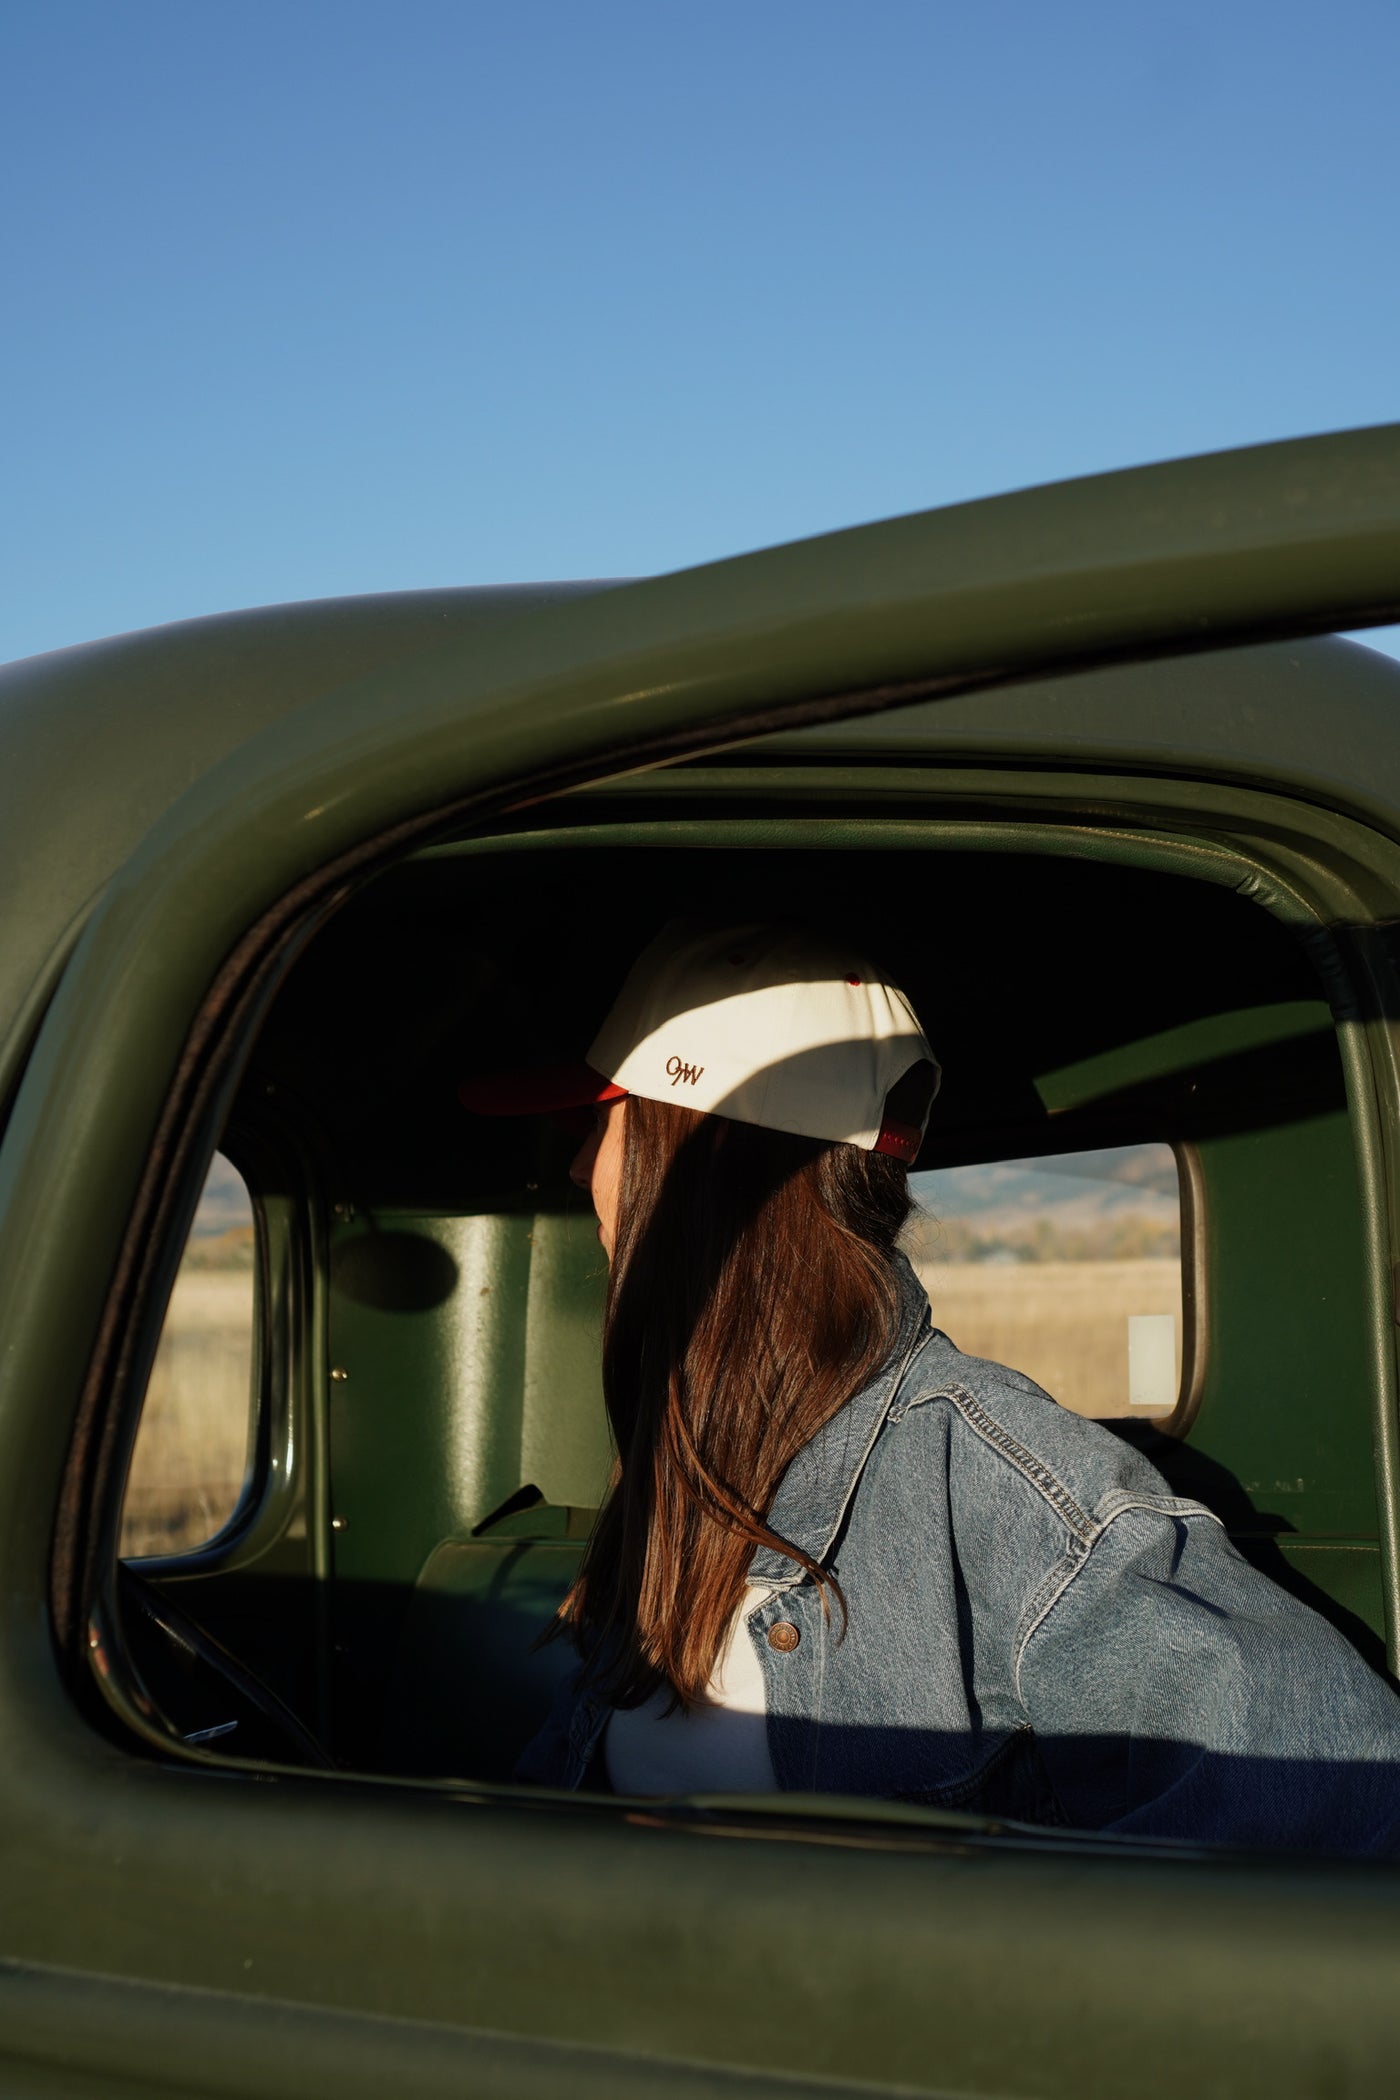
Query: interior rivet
{"type": "Point", "coordinates": [339, 1374]}
{"type": "Point", "coordinates": [338, 1523]}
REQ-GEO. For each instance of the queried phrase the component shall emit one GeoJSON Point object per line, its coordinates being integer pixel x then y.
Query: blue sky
{"type": "Point", "coordinates": [308, 298]}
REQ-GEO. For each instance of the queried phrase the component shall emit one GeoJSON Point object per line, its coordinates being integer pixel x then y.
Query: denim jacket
{"type": "Point", "coordinates": [1038, 1628]}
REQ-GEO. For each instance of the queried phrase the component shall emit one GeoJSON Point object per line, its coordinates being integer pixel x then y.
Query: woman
{"type": "Point", "coordinates": [840, 1556]}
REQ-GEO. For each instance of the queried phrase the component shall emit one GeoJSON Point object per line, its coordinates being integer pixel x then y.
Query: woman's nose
{"type": "Point", "coordinates": [581, 1167]}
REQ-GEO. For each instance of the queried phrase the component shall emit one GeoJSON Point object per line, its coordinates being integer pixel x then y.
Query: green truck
{"type": "Point", "coordinates": [1126, 811]}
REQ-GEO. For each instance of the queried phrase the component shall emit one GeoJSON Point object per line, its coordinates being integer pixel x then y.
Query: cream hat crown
{"type": "Point", "coordinates": [774, 1025]}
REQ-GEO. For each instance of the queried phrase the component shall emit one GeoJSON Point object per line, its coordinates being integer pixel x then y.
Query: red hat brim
{"type": "Point", "coordinates": [548, 1090]}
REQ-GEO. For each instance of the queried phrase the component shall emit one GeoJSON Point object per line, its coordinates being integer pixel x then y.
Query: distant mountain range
{"type": "Point", "coordinates": [1119, 1203]}
{"type": "Point", "coordinates": [224, 1204]}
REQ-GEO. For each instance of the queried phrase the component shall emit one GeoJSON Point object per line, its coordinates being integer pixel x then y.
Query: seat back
{"type": "Point", "coordinates": [470, 1683]}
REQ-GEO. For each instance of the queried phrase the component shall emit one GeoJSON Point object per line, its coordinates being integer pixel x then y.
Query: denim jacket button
{"type": "Point", "coordinates": [784, 1636]}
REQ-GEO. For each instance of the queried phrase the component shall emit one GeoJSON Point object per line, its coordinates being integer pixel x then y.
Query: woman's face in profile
{"type": "Point", "coordinates": [597, 1167]}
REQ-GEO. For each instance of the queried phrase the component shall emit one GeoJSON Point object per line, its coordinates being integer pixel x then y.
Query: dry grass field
{"type": "Point", "coordinates": [1064, 1323]}
{"type": "Point", "coordinates": [192, 1446]}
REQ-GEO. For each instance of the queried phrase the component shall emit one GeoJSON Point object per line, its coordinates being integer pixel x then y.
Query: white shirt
{"type": "Point", "coordinates": [719, 1746]}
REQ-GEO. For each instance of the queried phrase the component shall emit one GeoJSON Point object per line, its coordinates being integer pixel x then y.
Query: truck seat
{"type": "Point", "coordinates": [469, 1684]}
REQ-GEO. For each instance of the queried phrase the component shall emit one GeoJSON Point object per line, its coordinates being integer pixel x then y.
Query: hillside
{"type": "Point", "coordinates": [1118, 1204]}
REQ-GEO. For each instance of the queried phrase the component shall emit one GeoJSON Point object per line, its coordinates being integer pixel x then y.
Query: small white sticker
{"type": "Point", "coordinates": [1151, 1360]}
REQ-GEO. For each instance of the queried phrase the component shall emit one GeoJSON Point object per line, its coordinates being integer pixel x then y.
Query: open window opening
{"type": "Point", "coordinates": [1153, 1056]}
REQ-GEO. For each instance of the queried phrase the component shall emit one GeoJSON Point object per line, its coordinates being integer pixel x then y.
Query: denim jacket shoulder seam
{"type": "Point", "coordinates": [1161, 1505]}
{"type": "Point", "coordinates": [1033, 1470]}
{"type": "Point", "coordinates": [1078, 1559]}
{"type": "Point", "coordinates": [1040, 1476]}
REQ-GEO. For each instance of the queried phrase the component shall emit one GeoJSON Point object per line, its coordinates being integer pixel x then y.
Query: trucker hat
{"type": "Point", "coordinates": [776, 1025]}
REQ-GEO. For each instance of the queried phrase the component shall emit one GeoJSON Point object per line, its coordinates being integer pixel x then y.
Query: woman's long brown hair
{"type": "Point", "coordinates": [752, 1293]}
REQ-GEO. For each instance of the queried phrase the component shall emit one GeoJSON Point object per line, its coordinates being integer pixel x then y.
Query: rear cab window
{"type": "Point", "coordinates": [1067, 1267]}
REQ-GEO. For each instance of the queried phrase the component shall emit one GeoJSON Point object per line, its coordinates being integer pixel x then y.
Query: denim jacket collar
{"type": "Point", "coordinates": [815, 1492]}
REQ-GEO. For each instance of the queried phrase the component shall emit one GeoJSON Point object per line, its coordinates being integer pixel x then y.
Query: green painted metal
{"type": "Point", "coordinates": [111, 733]}
{"type": "Point", "coordinates": [1315, 718]}
{"type": "Point", "coordinates": [1182, 1049]}
{"type": "Point", "coordinates": [1286, 1404]}
{"type": "Point", "coordinates": [1301, 535]}
{"type": "Point", "coordinates": [954, 1971]}
{"type": "Point", "coordinates": [484, 1327]}
{"type": "Point", "coordinates": [65, 2035]}
{"type": "Point", "coordinates": [607, 1930]}
{"type": "Point", "coordinates": [466, 1349]}
{"type": "Point", "coordinates": [1103, 566]}
{"type": "Point", "coordinates": [1347, 1570]}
